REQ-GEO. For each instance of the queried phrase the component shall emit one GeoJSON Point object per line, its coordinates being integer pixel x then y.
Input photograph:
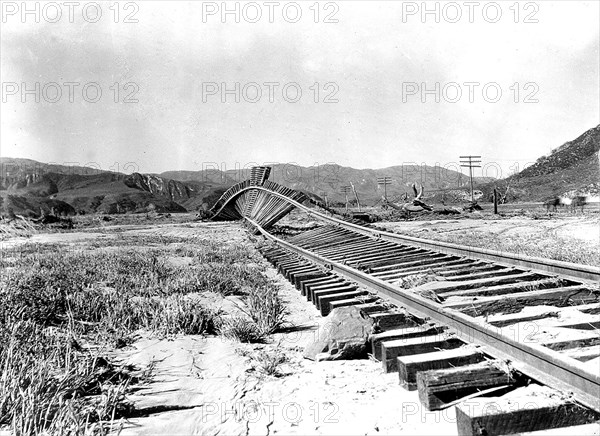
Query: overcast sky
{"type": "Point", "coordinates": [372, 67]}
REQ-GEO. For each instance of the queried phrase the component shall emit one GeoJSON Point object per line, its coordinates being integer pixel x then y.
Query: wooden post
{"type": "Point", "coordinates": [356, 196]}
{"type": "Point", "coordinates": [495, 201]}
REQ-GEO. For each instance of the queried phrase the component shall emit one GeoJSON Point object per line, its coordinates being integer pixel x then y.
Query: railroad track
{"type": "Point", "coordinates": [477, 328]}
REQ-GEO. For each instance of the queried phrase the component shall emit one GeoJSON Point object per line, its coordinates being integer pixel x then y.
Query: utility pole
{"type": "Point", "coordinates": [345, 189]}
{"type": "Point", "coordinates": [495, 201]}
{"type": "Point", "coordinates": [385, 180]}
{"type": "Point", "coordinates": [325, 197]}
{"type": "Point", "coordinates": [471, 162]}
{"type": "Point", "coordinates": [356, 196]}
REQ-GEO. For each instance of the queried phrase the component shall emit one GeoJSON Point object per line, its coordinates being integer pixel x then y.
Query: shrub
{"type": "Point", "coordinates": [266, 309]}
{"type": "Point", "coordinates": [243, 329]}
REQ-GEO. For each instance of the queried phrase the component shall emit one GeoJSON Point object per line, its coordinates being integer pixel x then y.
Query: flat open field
{"type": "Point", "coordinates": [568, 238]}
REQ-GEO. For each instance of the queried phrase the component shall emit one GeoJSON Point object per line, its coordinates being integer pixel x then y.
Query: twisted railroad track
{"type": "Point", "coordinates": [466, 333]}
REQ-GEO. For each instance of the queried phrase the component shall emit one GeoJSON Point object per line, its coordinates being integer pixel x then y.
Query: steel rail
{"type": "Point", "coordinates": [568, 269]}
{"type": "Point", "coordinates": [542, 364]}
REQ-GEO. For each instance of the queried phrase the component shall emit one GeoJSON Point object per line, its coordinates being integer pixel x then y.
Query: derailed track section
{"type": "Point", "coordinates": [458, 340]}
{"type": "Point", "coordinates": [254, 199]}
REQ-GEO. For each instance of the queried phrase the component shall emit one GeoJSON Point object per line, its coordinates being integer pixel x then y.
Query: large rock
{"type": "Point", "coordinates": [343, 334]}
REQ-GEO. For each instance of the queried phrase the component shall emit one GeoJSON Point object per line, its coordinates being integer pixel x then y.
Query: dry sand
{"type": "Point", "coordinates": [585, 228]}
{"type": "Point", "coordinates": [212, 386]}
{"type": "Point", "coordinates": [227, 394]}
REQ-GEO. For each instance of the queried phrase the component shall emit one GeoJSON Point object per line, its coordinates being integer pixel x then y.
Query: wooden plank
{"type": "Point", "coordinates": [330, 283]}
{"type": "Point", "coordinates": [559, 297]}
{"type": "Point", "coordinates": [391, 350]}
{"type": "Point", "coordinates": [409, 366]}
{"type": "Point", "coordinates": [353, 301]}
{"type": "Point", "coordinates": [583, 354]}
{"type": "Point", "coordinates": [491, 281]}
{"type": "Point", "coordinates": [394, 319]}
{"type": "Point", "coordinates": [320, 293]}
{"type": "Point", "coordinates": [504, 416]}
{"type": "Point", "coordinates": [441, 386]}
{"type": "Point", "coordinates": [313, 290]}
{"type": "Point", "coordinates": [376, 307]}
{"type": "Point", "coordinates": [585, 325]}
{"type": "Point", "coordinates": [301, 278]}
{"type": "Point", "coordinates": [306, 283]}
{"type": "Point", "coordinates": [514, 318]}
{"type": "Point", "coordinates": [576, 430]}
{"type": "Point", "coordinates": [586, 339]}
{"type": "Point", "coordinates": [506, 289]}
{"type": "Point", "coordinates": [325, 301]}
{"type": "Point", "coordinates": [402, 333]}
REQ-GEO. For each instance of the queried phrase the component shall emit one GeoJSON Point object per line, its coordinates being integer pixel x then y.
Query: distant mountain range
{"type": "Point", "coordinates": [29, 187]}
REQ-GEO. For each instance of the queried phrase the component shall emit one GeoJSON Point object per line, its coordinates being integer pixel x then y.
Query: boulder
{"type": "Point", "coordinates": [342, 335]}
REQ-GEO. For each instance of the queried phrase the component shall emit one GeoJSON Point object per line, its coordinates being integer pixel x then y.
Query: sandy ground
{"type": "Point", "coordinates": [583, 228]}
{"type": "Point", "coordinates": [219, 389]}
{"type": "Point", "coordinates": [214, 386]}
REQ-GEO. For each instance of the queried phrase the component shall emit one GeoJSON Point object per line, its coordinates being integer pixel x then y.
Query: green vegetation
{"type": "Point", "coordinates": [63, 310]}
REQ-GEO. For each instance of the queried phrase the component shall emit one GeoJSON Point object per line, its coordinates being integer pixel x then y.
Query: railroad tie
{"type": "Point", "coordinates": [440, 388]}
{"type": "Point", "coordinates": [410, 365]}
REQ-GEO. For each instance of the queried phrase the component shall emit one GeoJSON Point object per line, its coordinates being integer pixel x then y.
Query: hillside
{"type": "Point", "coordinates": [328, 179]}
{"type": "Point", "coordinates": [31, 188]}
{"type": "Point", "coordinates": [571, 169]}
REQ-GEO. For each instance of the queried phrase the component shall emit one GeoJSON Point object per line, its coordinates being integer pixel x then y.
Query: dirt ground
{"type": "Point", "coordinates": [222, 392]}
{"type": "Point", "coordinates": [585, 228]}
{"type": "Point", "coordinates": [215, 386]}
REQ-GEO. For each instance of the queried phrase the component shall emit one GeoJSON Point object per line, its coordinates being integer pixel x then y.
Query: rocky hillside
{"type": "Point", "coordinates": [571, 169]}
{"type": "Point", "coordinates": [328, 179]}
{"type": "Point", "coordinates": [32, 188]}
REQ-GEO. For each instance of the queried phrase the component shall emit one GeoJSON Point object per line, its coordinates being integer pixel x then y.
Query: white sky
{"type": "Point", "coordinates": [369, 54]}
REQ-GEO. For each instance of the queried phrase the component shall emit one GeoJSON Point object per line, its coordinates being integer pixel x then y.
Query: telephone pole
{"type": "Point", "coordinates": [471, 162]}
{"type": "Point", "coordinates": [324, 194]}
{"type": "Point", "coordinates": [385, 180]}
{"type": "Point", "coordinates": [345, 189]}
{"type": "Point", "coordinates": [356, 196]}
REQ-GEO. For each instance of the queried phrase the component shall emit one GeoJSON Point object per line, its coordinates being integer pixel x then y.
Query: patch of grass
{"type": "Point", "coordinates": [48, 383]}
{"type": "Point", "coordinates": [241, 328]}
{"type": "Point", "coordinates": [267, 309]}
{"type": "Point", "coordinates": [13, 228]}
{"type": "Point", "coordinates": [55, 300]}
{"type": "Point", "coordinates": [269, 362]}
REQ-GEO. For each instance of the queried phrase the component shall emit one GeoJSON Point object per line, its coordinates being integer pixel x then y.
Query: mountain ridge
{"type": "Point", "coordinates": [31, 187]}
